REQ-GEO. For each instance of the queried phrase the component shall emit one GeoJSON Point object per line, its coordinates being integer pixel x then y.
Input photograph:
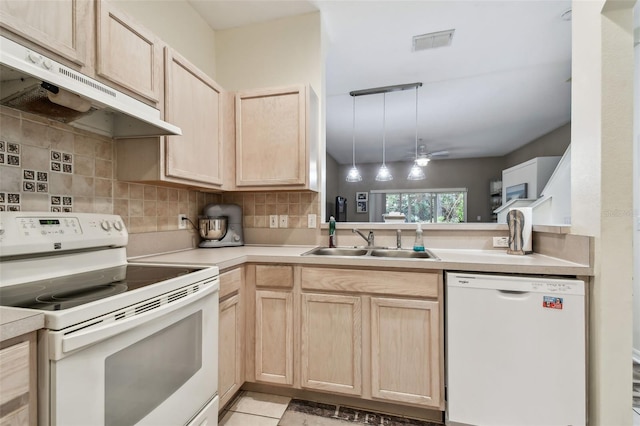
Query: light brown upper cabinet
{"type": "Point", "coordinates": [62, 26]}
{"type": "Point", "coordinates": [193, 102]}
{"type": "Point", "coordinates": [127, 54]}
{"type": "Point", "coordinates": [276, 139]}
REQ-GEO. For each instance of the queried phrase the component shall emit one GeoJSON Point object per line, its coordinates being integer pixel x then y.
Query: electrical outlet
{"type": "Point", "coordinates": [500, 242]}
{"type": "Point", "coordinates": [283, 221]}
{"type": "Point", "coordinates": [182, 221]}
{"type": "Point", "coordinates": [273, 221]}
{"type": "Point", "coordinates": [311, 221]}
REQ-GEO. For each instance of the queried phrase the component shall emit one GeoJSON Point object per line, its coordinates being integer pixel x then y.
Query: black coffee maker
{"type": "Point", "coordinates": [341, 209]}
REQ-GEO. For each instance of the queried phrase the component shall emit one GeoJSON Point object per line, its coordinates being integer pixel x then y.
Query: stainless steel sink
{"type": "Point", "coordinates": [404, 254]}
{"type": "Point", "coordinates": [336, 251]}
{"type": "Point", "coordinates": [375, 252]}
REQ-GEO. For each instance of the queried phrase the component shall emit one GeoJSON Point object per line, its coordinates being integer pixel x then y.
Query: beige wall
{"type": "Point", "coordinates": [179, 25]}
{"type": "Point", "coordinates": [601, 186]}
{"type": "Point", "coordinates": [554, 143]}
{"type": "Point", "coordinates": [276, 53]}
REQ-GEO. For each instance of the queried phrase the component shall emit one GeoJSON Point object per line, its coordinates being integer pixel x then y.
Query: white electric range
{"type": "Point", "coordinates": [124, 343]}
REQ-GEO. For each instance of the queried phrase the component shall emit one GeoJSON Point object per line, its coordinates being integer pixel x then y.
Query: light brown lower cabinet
{"type": "Point", "coordinates": [274, 337]}
{"type": "Point", "coordinates": [331, 343]}
{"type": "Point", "coordinates": [231, 335]}
{"type": "Point", "coordinates": [373, 334]}
{"type": "Point", "coordinates": [18, 398]}
{"type": "Point", "coordinates": [405, 350]}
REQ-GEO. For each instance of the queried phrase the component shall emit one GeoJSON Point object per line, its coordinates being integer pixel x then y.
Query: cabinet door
{"type": "Point", "coordinates": [331, 351]}
{"type": "Point", "coordinates": [405, 348]}
{"type": "Point", "coordinates": [127, 53]}
{"type": "Point", "coordinates": [230, 349]}
{"type": "Point", "coordinates": [193, 102]}
{"type": "Point", "coordinates": [18, 381]}
{"type": "Point", "coordinates": [271, 137]}
{"type": "Point", "coordinates": [274, 337]}
{"type": "Point", "coordinates": [61, 26]}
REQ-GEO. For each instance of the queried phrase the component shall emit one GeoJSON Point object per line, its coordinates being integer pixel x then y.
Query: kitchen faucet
{"type": "Point", "coordinates": [368, 239]}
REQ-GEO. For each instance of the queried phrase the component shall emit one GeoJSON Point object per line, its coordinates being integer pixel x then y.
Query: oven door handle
{"type": "Point", "coordinates": [94, 334]}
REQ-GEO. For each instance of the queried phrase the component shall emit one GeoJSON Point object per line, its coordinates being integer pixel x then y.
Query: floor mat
{"type": "Point", "coordinates": [309, 413]}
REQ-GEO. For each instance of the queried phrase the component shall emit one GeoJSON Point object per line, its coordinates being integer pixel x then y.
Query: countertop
{"type": "Point", "coordinates": [16, 322]}
{"type": "Point", "coordinates": [450, 259]}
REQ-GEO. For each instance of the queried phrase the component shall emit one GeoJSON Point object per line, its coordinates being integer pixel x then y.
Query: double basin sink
{"type": "Point", "coordinates": [371, 251]}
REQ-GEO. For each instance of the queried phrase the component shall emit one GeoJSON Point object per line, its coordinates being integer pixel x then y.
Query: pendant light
{"type": "Point", "coordinates": [383, 173]}
{"type": "Point", "coordinates": [416, 172]}
{"type": "Point", "coordinates": [354, 173]}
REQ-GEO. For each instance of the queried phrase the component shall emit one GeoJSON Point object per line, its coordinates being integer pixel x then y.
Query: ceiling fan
{"type": "Point", "coordinates": [425, 156]}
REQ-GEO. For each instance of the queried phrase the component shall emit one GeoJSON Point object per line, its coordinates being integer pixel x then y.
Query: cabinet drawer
{"type": "Point", "coordinates": [419, 284]}
{"type": "Point", "coordinates": [280, 276]}
{"type": "Point", "coordinates": [14, 371]}
{"type": "Point", "coordinates": [230, 282]}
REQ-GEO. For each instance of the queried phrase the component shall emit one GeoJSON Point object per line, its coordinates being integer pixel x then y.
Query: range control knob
{"type": "Point", "coordinates": [105, 225]}
{"type": "Point", "coordinates": [117, 225]}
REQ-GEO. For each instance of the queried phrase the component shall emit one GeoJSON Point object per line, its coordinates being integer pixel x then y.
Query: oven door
{"type": "Point", "coordinates": [158, 367]}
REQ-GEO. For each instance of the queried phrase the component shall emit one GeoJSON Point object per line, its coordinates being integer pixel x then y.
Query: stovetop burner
{"type": "Point", "coordinates": [73, 290]}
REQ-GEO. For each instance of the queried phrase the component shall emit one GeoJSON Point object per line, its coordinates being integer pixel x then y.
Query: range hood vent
{"type": "Point", "coordinates": [33, 83]}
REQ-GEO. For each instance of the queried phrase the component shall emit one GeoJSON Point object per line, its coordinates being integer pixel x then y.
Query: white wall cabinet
{"type": "Point", "coordinates": [534, 173]}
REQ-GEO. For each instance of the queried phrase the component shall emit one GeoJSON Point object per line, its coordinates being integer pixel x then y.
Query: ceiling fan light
{"type": "Point", "coordinates": [422, 161]}
{"type": "Point", "coordinates": [416, 172]}
{"type": "Point", "coordinates": [354, 175]}
{"type": "Point", "coordinates": [384, 174]}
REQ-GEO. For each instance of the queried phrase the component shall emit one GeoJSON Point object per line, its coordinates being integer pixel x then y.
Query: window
{"type": "Point", "coordinates": [433, 206]}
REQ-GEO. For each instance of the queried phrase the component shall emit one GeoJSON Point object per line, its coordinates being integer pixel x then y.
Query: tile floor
{"type": "Point", "coordinates": [259, 409]}
{"type": "Point", "coordinates": [255, 409]}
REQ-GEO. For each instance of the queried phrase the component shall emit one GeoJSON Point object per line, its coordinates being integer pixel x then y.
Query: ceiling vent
{"type": "Point", "coordinates": [432, 40]}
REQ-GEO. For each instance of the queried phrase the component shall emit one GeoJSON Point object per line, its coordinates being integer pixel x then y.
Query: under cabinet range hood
{"type": "Point", "coordinates": [33, 83]}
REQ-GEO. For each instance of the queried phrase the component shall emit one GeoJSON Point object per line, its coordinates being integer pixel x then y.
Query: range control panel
{"type": "Point", "coordinates": [35, 232]}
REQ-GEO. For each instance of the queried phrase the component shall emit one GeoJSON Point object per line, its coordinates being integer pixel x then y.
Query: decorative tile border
{"type": "Point", "coordinates": [9, 202]}
{"type": "Point", "coordinates": [61, 162]}
{"type": "Point", "coordinates": [9, 154]}
{"type": "Point", "coordinates": [35, 181]}
{"type": "Point", "coordinates": [61, 203]}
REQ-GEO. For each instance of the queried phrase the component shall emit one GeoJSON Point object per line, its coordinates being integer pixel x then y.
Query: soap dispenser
{"type": "Point", "coordinates": [418, 244]}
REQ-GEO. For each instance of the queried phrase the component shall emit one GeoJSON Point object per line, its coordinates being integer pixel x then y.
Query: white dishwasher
{"type": "Point", "coordinates": [516, 351]}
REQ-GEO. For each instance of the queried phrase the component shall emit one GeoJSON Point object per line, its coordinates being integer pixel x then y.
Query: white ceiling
{"type": "Point", "coordinates": [501, 84]}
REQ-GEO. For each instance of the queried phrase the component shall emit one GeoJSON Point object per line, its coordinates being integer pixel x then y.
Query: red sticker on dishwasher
{"type": "Point", "coordinates": [552, 302]}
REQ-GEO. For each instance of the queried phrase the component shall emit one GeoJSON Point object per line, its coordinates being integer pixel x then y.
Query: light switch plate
{"type": "Point", "coordinates": [311, 221]}
{"type": "Point", "coordinates": [283, 221]}
{"type": "Point", "coordinates": [273, 221]}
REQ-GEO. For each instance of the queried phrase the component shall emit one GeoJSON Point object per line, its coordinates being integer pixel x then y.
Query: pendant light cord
{"type": "Point", "coordinates": [384, 125]}
{"type": "Point", "coordinates": [416, 158]}
{"type": "Point", "coordinates": [353, 143]}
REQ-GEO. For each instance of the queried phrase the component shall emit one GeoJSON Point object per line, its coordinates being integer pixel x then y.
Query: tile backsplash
{"type": "Point", "coordinates": [50, 166]}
